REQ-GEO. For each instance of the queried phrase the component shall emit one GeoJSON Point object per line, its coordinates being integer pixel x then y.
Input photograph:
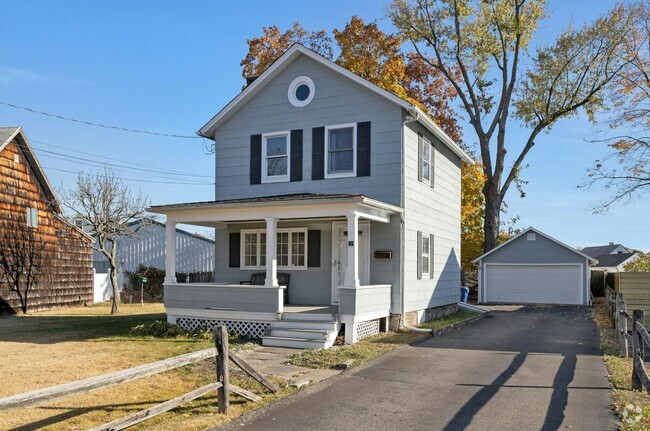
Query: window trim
{"type": "Point", "coordinates": [426, 236]}
{"type": "Point", "coordinates": [291, 92]}
{"type": "Point", "coordinates": [32, 217]}
{"type": "Point", "coordinates": [242, 252]}
{"type": "Point", "coordinates": [426, 142]}
{"type": "Point", "coordinates": [276, 178]}
{"type": "Point", "coordinates": [353, 173]}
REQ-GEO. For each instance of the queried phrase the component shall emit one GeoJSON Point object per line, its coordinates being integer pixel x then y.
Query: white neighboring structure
{"type": "Point", "coordinates": [194, 254]}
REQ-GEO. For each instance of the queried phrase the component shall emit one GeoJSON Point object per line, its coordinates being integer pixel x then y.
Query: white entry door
{"type": "Point", "coordinates": [340, 255]}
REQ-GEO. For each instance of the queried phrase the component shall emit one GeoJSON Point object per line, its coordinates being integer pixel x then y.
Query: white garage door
{"type": "Point", "coordinates": [534, 284]}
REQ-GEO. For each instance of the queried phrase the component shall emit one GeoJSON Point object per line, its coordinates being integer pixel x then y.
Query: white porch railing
{"type": "Point", "coordinates": [233, 298]}
{"type": "Point", "coordinates": [361, 304]}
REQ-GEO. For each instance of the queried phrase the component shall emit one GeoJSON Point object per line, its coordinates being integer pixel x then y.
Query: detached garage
{"type": "Point", "coordinates": [534, 268]}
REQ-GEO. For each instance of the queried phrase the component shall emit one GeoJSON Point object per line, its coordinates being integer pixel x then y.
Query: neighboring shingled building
{"type": "Point", "coordinates": [27, 200]}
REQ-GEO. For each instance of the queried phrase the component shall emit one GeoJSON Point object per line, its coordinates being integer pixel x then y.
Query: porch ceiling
{"type": "Point", "coordinates": [284, 207]}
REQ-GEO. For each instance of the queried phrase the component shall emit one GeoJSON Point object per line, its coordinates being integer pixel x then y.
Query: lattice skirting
{"type": "Point", "coordinates": [368, 328]}
{"type": "Point", "coordinates": [248, 329]}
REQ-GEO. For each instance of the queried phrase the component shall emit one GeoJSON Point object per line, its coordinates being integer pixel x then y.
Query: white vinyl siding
{"type": "Point", "coordinates": [291, 248]}
{"type": "Point", "coordinates": [434, 211]}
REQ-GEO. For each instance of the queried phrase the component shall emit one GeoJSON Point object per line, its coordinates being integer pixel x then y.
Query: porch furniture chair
{"type": "Point", "coordinates": [258, 279]}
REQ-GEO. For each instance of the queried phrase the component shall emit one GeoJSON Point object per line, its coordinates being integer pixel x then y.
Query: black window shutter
{"type": "Point", "coordinates": [363, 149]}
{"type": "Point", "coordinates": [419, 255]}
{"type": "Point", "coordinates": [313, 248]}
{"type": "Point", "coordinates": [318, 153]}
{"type": "Point", "coordinates": [420, 156]}
{"type": "Point", "coordinates": [234, 249]}
{"type": "Point", "coordinates": [296, 155]}
{"type": "Point", "coordinates": [256, 159]}
{"type": "Point", "coordinates": [431, 253]}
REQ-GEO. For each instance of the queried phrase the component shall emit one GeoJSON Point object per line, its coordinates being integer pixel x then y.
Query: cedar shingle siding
{"type": "Point", "coordinates": [68, 276]}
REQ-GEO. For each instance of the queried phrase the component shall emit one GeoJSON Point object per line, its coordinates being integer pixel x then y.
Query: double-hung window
{"type": "Point", "coordinates": [276, 148]}
{"type": "Point", "coordinates": [291, 248]}
{"type": "Point", "coordinates": [341, 151]}
{"type": "Point", "coordinates": [426, 162]}
{"type": "Point", "coordinates": [426, 256]}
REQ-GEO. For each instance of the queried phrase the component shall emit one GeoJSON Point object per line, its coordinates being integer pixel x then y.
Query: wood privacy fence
{"type": "Point", "coordinates": [220, 353]}
{"type": "Point", "coordinates": [630, 344]}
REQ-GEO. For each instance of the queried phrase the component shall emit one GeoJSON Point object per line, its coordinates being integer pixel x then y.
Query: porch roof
{"type": "Point", "coordinates": [290, 206]}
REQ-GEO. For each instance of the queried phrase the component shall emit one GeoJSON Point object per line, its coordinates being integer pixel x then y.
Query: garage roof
{"type": "Point", "coordinates": [532, 229]}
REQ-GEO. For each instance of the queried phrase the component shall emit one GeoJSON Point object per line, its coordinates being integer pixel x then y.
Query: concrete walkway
{"type": "Point", "coordinates": [534, 368]}
{"type": "Point", "coordinates": [272, 361]}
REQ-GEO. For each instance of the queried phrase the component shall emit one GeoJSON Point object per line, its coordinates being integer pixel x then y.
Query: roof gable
{"type": "Point", "coordinates": [287, 58]}
{"type": "Point", "coordinates": [532, 229]}
{"type": "Point", "coordinates": [9, 134]}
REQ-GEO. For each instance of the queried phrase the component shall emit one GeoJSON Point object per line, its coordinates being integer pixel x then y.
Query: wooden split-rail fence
{"type": "Point", "coordinates": [220, 353]}
{"type": "Point", "coordinates": [631, 343]}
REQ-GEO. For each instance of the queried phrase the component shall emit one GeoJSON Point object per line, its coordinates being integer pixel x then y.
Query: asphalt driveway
{"type": "Point", "coordinates": [537, 368]}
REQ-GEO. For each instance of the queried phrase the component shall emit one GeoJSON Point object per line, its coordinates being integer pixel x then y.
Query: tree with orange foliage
{"type": "Point", "coordinates": [264, 50]}
{"type": "Point", "coordinates": [630, 96]}
{"type": "Point", "coordinates": [376, 56]}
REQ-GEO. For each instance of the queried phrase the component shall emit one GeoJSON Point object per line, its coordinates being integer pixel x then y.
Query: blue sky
{"type": "Point", "coordinates": [169, 66]}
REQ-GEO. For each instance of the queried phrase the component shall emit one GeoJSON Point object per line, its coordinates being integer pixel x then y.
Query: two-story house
{"type": "Point", "coordinates": [28, 202]}
{"type": "Point", "coordinates": [351, 191]}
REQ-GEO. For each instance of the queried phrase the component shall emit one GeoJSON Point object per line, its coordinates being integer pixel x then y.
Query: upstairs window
{"type": "Point", "coordinates": [341, 151]}
{"type": "Point", "coordinates": [426, 162]}
{"type": "Point", "coordinates": [32, 217]}
{"type": "Point", "coordinates": [275, 151]}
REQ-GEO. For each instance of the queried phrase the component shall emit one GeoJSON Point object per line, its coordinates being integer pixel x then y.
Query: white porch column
{"type": "Point", "coordinates": [271, 249]}
{"type": "Point", "coordinates": [170, 252]}
{"type": "Point", "coordinates": [352, 273]}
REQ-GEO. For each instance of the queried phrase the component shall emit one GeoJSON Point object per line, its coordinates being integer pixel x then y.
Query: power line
{"type": "Point", "coordinates": [93, 164]}
{"type": "Point", "coordinates": [66, 157]}
{"type": "Point", "coordinates": [90, 123]}
{"type": "Point", "coordinates": [168, 171]}
{"type": "Point", "coordinates": [130, 179]}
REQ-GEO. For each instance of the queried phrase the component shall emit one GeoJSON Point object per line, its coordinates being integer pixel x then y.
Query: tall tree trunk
{"type": "Point", "coordinates": [492, 221]}
{"type": "Point", "coordinates": [115, 307]}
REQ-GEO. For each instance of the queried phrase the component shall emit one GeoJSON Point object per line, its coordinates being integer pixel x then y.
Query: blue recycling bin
{"type": "Point", "coordinates": [464, 293]}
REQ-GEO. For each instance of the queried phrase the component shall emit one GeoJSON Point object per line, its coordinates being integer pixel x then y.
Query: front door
{"type": "Point", "coordinates": [340, 255]}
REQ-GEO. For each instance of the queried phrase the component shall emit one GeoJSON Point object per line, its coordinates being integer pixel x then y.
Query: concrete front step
{"type": "Point", "coordinates": [307, 316]}
{"type": "Point", "coordinates": [296, 343]}
{"type": "Point", "coordinates": [305, 324]}
{"type": "Point", "coordinates": [310, 334]}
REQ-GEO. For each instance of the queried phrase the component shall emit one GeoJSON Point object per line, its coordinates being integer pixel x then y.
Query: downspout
{"type": "Point", "coordinates": [412, 116]}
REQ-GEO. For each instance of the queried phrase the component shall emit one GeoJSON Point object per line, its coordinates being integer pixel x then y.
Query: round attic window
{"type": "Point", "coordinates": [301, 91]}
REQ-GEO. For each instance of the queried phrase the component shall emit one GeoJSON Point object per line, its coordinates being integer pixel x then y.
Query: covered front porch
{"type": "Point", "coordinates": [331, 281]}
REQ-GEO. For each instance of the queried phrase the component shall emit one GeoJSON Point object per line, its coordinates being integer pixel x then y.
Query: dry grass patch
{"type": "Point", "coordinates": [50, 348]}
{"type": "Point", "coordinates": [633, 407]}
